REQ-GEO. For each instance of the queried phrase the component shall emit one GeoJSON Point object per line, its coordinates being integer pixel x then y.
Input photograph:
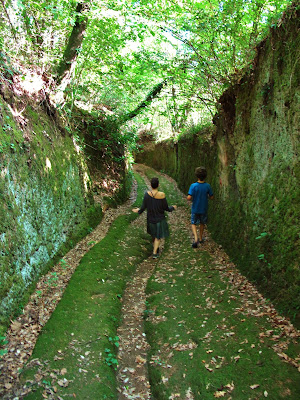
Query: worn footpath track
{"type": "Point", "coordinates": [132, 373]}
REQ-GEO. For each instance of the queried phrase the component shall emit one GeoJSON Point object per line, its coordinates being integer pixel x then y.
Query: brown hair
{"type": "Point", "coordinates": [201, 173]}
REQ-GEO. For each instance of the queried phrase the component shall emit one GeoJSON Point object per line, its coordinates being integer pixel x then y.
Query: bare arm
{"type": "Point", "coordinates": [166, 206]}
{"type": "Point", "coordinates": [142, 208]}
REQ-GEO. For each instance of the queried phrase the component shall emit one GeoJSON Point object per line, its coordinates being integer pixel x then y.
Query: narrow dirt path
{"type": "Point", "coordinates": [132, 358]}
{"type": "Point", "coordinates": [132, 372]}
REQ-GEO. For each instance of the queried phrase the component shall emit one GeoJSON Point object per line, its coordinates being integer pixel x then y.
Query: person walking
{"type": "Point", "coordinates": [156, 204]}
{"type": "Point", "coordinates": [199, 193]}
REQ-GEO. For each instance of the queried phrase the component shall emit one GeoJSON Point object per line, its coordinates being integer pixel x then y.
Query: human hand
{"type": "Point", "coordinates": [175, 207]}
{"type": "Point", "coordinates": [135, 210]}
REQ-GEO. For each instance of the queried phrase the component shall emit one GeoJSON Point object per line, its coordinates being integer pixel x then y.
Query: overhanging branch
{"type": "Point", "coordinates": [145, 103]}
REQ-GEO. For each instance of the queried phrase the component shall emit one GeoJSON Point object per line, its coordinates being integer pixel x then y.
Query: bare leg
{"type": "Point", "coordinates": [156, 245]}
{"type": "Point", "coordinates": [194, 230]}
{"type": "Point", "coordinates": [201, 230]}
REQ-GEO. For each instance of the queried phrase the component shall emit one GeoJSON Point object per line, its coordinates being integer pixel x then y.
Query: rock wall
{"type": "Point", "coordinates": [251, 155]}
{"type": "Point", "coordinates": [45, 198]}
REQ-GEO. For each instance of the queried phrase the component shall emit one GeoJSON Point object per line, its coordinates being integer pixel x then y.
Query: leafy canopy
{"type": "Point", "coordinates": [199, 46]}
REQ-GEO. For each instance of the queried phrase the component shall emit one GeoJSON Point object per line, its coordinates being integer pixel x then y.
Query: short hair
{"type": "Point", "coordinates": [201, 173]}
{"type": "Point", "coordinates": [154, 183]}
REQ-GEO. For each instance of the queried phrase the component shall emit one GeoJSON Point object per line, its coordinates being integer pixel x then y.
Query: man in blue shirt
{"type": "Point", "coordinates": [199, 193]}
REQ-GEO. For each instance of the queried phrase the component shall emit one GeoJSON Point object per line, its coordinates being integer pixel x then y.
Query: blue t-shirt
{"type": "Point", "coordinates": [200, 192]}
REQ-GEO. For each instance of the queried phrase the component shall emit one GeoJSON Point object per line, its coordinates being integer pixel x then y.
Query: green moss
{"type": "Point", "coordinates": [45, 204]}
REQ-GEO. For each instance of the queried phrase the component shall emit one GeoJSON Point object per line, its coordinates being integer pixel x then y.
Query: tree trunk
{"type": "Point", "coordinates": [74, 43]}
{"type": "Point", "coordinates": [154, 93]}
{"type": "Point", "coordinates": [9, 20]}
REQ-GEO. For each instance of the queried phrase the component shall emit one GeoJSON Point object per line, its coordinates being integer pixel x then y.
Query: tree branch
{"type": "Point", "coordinates": [74, 43]}
{"type": "Point", "coordinates": [154, 93]}
{"type": "Point", "coordinates": [8, 17]}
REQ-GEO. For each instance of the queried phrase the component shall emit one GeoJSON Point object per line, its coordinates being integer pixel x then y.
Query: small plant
{"type": "Point", "coordinates": [6, 127]}
{"type": "Point", "coordinates": [262, 257]}
{"type": "Point", "coordinates": [263, 234]}
{"type": "Point", "coordinates": [3, 342]}
{"type": "Point", "coordinates": [64, 263]}
{"type": "Point", "coordinates": [110, 359]}
{"type": "Point", "coordinates": [52, 280]}
{"type": "Point", "coordinates": [147, 310]}
{"type": "Point", "coordinates": [114, 340]}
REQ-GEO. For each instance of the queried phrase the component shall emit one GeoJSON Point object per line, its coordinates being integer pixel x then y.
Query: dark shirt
{"type": "Point", "coordinates": [155, 208]}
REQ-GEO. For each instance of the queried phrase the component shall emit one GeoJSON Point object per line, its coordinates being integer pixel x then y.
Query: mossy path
{"type": "Point", "coordinates": [185, 326]}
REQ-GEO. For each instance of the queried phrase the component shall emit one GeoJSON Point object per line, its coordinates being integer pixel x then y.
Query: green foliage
{"type": "Point", "coordinates": [3, 342]}
{"type": "Point", "coordinates": [129, 47]}
{"type": "Point", "coordinates": [262, 235]}
{"type": "Point", "coordinates": [7, 71]}
{"type": "Point", "coordinates": [111, 357]}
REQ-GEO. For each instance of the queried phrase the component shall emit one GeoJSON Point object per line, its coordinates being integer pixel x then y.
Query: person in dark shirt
{"type": "Point", "coordinates": [156, 204]}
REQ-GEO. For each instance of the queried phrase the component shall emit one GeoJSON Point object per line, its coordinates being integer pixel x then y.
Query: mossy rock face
{"type": "Point", "coordinates": [252, 163]}
{"type": "Point", "coordinates": [45, 200]}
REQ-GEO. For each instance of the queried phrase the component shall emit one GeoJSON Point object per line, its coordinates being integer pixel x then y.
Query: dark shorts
{"type": "Point", "coordinates": [159, 230]}
{"type": "Point", "coordinates": [197, 219]}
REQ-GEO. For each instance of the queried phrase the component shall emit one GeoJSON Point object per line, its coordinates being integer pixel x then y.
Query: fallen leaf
{"type": "Point", "coordinates": [207, 367]}
{"type": "Point", "coordinates": [254, 386]}
{"type": "Point", "coordinates": [63, 382]}
{"type": "Point", "coordinates": [16, 326]}
{"type": "Point", "coordinates": [220, 393]}
{"type": "Point", "coordinates": [189, 394]}
{"type": "Point", "coordinates": [8, 386]}
{"type": "Point", "coordinates": [63, 371]}
{"type": "Point", "coordinates": [266, 393]}
{"type": "Point", "coordinates": [230, 386]}
{"type": "Point", "coordinates": [140, 360]}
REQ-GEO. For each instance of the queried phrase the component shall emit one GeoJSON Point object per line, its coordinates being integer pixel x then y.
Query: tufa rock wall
{"type": "Point", "coordinates": [45, 199]}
